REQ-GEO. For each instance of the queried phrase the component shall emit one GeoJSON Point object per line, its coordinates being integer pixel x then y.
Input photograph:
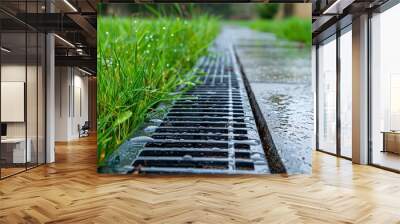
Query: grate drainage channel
{"type": "Point", "coordinates": [211, 129]}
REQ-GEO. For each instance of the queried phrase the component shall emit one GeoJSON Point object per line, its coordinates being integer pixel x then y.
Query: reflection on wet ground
{"type": "Point", "coordinates": [279, 73]}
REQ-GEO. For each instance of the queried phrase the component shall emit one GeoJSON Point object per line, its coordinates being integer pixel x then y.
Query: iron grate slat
{"type": "Point", "coordinates": [210, 129]}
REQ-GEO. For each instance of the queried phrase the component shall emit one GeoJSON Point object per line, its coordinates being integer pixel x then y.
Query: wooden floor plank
{"type": "Point", "coordinates": [70, 191]}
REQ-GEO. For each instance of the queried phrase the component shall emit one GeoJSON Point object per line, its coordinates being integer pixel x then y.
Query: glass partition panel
{"type": "Point", "coordinates": [346, 93]}
{"type": "Point", "coordinates": [22, 77]}
{"type": "Point", "coordinates": [385, 89]}
{"type": "Point", "coordinates": [31, 98]}
{"type": "Point", "coordinates": [15, 151]}
{"type": "Point", "coordinates": [327, 96]}
{"type": "Point", "coordinates": [41, 99]}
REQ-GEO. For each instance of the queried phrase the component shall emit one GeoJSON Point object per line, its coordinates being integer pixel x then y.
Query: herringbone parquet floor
{"type": "Point", "coordinates": [70, 191]}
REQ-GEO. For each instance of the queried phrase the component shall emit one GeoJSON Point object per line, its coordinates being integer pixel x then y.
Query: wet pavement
{"type": "Point", "coordinates": [279, 73]}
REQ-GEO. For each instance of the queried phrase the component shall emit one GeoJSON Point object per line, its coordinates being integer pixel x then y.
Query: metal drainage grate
{"type": "Point", "coordinates": [210, 130]}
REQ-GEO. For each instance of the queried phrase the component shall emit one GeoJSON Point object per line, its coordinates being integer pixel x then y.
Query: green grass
{"type": "Point", "coordinates": [293, 29]}
{"type": "Point", "coordinates": [140, 63]}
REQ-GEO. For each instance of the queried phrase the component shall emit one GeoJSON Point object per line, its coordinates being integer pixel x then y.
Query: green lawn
{"type": "Point", "coordinates": [293, 29]}
{"type": "Point", "coordinates": [140, 63]}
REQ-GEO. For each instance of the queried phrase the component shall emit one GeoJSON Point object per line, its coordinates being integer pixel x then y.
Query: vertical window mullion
{"type": "Point", "coordinates": [317, 97]}
{"type": "Point", "coordinates": [0, 94]}
{"type": "Point", "coordinates": [37, 90]}
{"type": "Point", "coordinates": [26, 85]}
{"type": "Point", "coordinates": [338, 81]}
{"type": "Point", "coordinates": [369, 100]}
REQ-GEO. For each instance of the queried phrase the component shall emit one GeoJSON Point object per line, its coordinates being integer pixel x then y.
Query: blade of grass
{"type": "Point", "coordinates": [140, 63]}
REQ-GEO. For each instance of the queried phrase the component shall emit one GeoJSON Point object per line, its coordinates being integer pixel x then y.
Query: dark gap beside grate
{"type": "Point", "coordinates": [210, 92]}
{"type": "Point", "coordinates": [197, 130]}
{"type": "Point", "coordinates": [214, 94]}
{"type": "Point", "coordinates": [218, 145]}
{"type": "Point", "coordinates": [216, 98]}
{"type": "Point", "coordinates": [202, 101]}
{"type": "Point", "coordinates": [195, 114]}
{"type": "Point", "coordinates": [240, 137]}
{"type": "Point", "coordinates": [210, 164]}
{"type": "Point", "coordinates": [216, 110]}
{"type": "Point", "coordinates": [191, 106]}
{"type": "Point", "coordinates": [244, 165]}
{"type": "Point", "coordinates": [191, 137]}
{"type": "Point", "coordinates": [242, 155]}
{"type": "Point", "coordinates": [184, 130]}
{"type": "Point", "coordinates": [197, 137]}
{"type": "Point", "coordinates": [242, 146]}
{"type": "Point", "coordinates": [203, 124]}
{"type": "Point", "coordinates": [207, 104]}
{"type": "Point", "coordinates": [209, 99]}
{"type": "Point", "coordinates": [202, 119]}
{"type": "Point", "coordinates": [193, 153]}
{"type": "Point", "coordinates": [240, 131]}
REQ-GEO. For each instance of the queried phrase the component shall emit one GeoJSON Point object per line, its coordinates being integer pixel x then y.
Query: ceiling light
{"type": "Point", "coordinates": [65, 41]}
{"type": "Point", "coordinates": [5, 50]}
{"type": "Point", "coordinates": [70, 5]}
{"type": "Point", "coordinates": [84, 71]}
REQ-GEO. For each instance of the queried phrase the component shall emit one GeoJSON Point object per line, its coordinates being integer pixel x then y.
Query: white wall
{"type": "Point", "coordinates": [79, 117]}
{"type": "Point", "coordinates": [62, 82]}
{"type": "Point", "coordinates": [69, 82]}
